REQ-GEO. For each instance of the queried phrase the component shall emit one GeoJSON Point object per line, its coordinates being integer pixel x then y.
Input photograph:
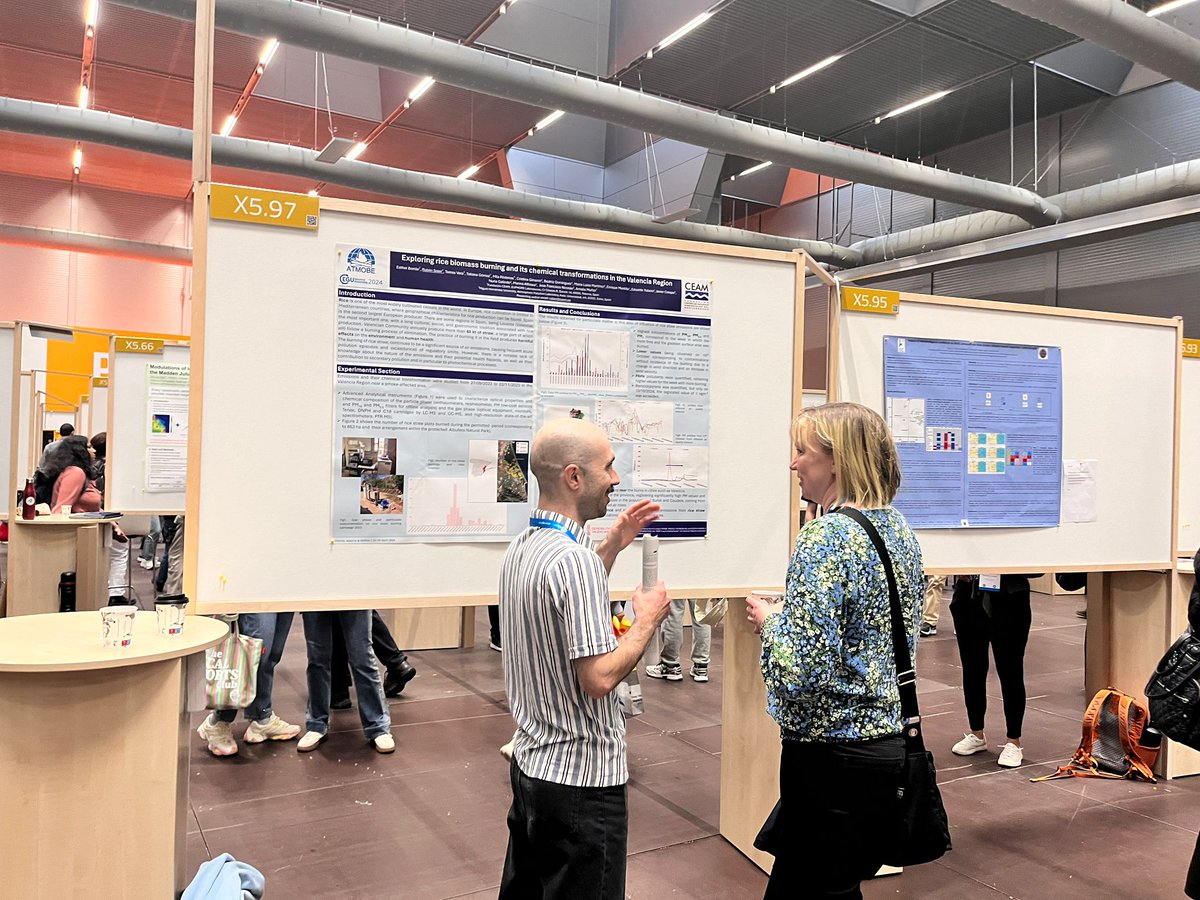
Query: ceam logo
{"type": "Point", "coordinates": [697, 290]}
{"type": "Point", "coordinates": [361, 260]}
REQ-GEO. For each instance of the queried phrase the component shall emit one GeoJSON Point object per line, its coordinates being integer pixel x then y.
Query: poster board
{"type": "Point", "coordinates": [263, 387]}
{"type": "Point", "coordinates": [130, 437]}
{"type": "Point", "coordinates": [1104, 404]}
{"type": "Point", "coordinates": [1189, 458]}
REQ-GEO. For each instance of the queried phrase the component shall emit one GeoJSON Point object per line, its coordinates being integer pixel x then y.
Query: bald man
{"type": "Point", "coordinates": [568, 824]}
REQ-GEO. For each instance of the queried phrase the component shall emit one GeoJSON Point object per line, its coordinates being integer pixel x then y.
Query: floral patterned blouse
{"type": "Point", "coordinates": [827, 656]}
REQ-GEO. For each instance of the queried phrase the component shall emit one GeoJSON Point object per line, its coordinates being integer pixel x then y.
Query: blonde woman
{"type": "Point", "coordinates": [827, 659]}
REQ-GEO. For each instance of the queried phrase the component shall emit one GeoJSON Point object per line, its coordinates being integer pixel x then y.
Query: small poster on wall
{"type": "Point", "coordinates": [166, 427]}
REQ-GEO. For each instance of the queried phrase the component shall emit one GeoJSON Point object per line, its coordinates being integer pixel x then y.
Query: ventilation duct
{"type": "Point", "coordinates": [1123, 29]}
{"type": "Point", "coordinates": [1156, 185]}
{"type": "Point", "coordinates": [166, 140]}
{"type": "Point", "coordinates": [82, 242]}
{"type": "Point", "coordinates": [391, 46]}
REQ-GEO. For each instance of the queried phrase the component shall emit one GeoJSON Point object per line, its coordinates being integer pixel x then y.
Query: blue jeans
{"type": "Point", "coordinates": [273, 629]}
{"type": "Point", "coordinates": [318, 634]}
{"type": "Point", "coordinates": [150, 541]}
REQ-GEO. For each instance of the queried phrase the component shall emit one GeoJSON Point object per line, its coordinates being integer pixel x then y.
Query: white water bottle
{"type": "Point", "coordinates": [649, 562]}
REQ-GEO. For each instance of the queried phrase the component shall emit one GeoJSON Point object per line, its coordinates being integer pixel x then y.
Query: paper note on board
{"type": "Point", "coordinates": [1079, 490]}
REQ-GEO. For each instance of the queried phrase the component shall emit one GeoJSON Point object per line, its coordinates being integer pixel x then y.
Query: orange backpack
{"type": "Point", "coordinates": [1112, 741]}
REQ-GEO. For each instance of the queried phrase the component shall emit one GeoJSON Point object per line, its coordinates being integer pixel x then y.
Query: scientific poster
{"type": "Point", "coordinates": [445, 368]}
{"type": "Point", "coordinates": [166, 427]}
{"type": "Point", "coordinates": [978, 427]}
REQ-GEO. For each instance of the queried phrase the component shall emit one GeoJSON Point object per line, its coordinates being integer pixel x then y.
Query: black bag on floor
{"type": "Point", "coordinates": [922, 833]}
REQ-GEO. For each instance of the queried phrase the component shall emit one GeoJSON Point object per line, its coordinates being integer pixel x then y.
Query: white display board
{"type": "Point", "coordinates": [126, 488]}
{"type": "Point", "coordinates": [1119, 407]}
{"type": "Point", "coordinates": [1189, 459]}
{"type": "Point", "coordinates": [264, 480]}
{"type": "Point", "coordinates": [98, 410]}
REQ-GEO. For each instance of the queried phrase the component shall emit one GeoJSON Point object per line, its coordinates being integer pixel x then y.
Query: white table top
{"type": "Point", "coordinates": [64, 642]}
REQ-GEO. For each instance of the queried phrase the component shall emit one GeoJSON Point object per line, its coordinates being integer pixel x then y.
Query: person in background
{"type": "Point", "coordinates": [828, 662]}
{"type": "Point", "coordinates": [216, 730]}
{"type": "Point", "coordinates": [395, 663]}
{"type": "Point", "coordinates": [934, 585]}
{"type": "Point", "coordinates": [118, 555]}
{"type": "Point", "coordinates": [494, 623]}
{"type": "Point", "coordinates": [992, 611]}
{"type": "Point", "coordinates": [668, 666]}
{"type": "Point", "coordinates": [70, 470]}
{"type": "Point", "coordinates": [568, 824]}
{"type": "Point", "coordinates": [65, 430]}
{"type": "Point", "coordinates": [372, 708]}
{"type": "Point", "coordinates": [150, 543]}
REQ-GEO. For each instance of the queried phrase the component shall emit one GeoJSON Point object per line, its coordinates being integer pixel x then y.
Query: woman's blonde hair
{"type": "Point", "coordinates": [864, 454]}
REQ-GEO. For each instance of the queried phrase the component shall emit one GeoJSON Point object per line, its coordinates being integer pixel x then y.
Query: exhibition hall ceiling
{"type": "Point", "coordinates": [731, 60]}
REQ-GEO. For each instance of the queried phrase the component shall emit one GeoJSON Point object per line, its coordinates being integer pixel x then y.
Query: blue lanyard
{"type": "Point", "coordinates": [551, 523]}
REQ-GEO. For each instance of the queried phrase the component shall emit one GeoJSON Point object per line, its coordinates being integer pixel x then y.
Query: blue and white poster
{"type": "Point", "coordinates": [978, 427]}
{"type": "Point", "coordinates": [446, 366]}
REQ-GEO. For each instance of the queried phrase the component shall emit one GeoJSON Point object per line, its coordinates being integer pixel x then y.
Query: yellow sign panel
{"type": "Point", "coordinates": [247, 204]}
{"type": "Point", "coordinates": [858, 299]}
{"type": "Point", "coordinates": [1191, 347]}
{"type": "Point", "coordinates": [139, 345]}
{"type": "Point", "coordinates": [100, 382]}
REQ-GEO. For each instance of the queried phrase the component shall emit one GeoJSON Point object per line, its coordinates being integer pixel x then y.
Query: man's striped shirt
{"type": "Point", "coordinates": [554, 608]}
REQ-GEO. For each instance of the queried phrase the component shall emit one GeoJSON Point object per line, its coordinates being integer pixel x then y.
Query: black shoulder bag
{"type": "Point", "coordinates": [923, 832]}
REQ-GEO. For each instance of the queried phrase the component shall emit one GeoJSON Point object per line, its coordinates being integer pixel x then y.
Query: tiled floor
{"type": "Point", "coordinates": [428, 821]}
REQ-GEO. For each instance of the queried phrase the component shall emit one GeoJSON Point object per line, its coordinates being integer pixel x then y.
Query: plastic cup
{"type": "Point", "coordinates": [171, 616]}
{"type": "Point", "coordinates": [66, 509]}
{"type": "Point", "coordinates": [116, 623]}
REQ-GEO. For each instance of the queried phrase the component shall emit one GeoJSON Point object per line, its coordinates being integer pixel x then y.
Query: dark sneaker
{"type": "Point", "coordinates": [662, 670]}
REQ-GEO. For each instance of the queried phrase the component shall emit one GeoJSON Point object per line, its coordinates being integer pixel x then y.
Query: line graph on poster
{"type": "Point", "coordinates": [670, 467]}
{"type": "Point", "coordinates": [637, 421]}
{"type": "Point", "coordinates": [579, 359]}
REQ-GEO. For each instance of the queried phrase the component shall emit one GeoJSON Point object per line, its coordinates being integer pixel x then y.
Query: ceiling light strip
{"type": "Point", "coordinates": [909, 107]}
{"type": "Point", "coordinates": [1171, 6]}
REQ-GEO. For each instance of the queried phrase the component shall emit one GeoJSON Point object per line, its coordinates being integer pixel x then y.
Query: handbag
{"type": "Point", "coordinates": [1173, 691]}
{"type": "Point", "coordinates": [231, 671]}
{"type": "Point", "coordinates": [922, 831]}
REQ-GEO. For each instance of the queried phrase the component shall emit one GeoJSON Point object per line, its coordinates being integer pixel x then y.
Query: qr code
{"type": "Point", "coordinates": [310, 221]}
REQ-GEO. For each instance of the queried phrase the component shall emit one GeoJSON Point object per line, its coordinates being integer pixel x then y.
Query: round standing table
{"type": "Point", "coordinates": [94, 756]}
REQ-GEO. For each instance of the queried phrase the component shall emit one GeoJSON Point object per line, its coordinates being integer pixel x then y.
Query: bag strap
{"type": "Point", "coordinates": [906, 676]}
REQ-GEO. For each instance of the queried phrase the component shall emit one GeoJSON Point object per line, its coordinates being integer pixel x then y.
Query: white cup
{"type": "Point", "coordinates": [66, 509]}
{"type": "Point", "coordinates": [171, 617]}
{"type": "Point", "coordinates": [116, 624]}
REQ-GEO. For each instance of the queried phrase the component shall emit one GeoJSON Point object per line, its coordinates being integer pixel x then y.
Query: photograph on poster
{"type": "Point", "coordinates": [498, 472]}
{"type": "Point", "coordinates": [381, 495]}
{"type": "Point", "coordinates": [361, 455]}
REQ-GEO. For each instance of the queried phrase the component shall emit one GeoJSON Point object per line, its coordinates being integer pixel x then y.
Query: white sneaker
{"type": "Point", "coordinates": [385, 743]}
{"type": "Point", "coordinates": [146, 563]}
{"type": "Point", "coordinates": [274, 729]}
{"type": "Point", "coordinates": [662, 670]}
{"type": "Point", "coordinates": [310, 741]}
{"type": "Point", "coordinates": [968, 745]}
{"type": "Point", "coordinates": [700, 673]}
{"type": "Point", "coordinates": [1011, 756]}
{"type": "Point", "coordinates": [219, 736]}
